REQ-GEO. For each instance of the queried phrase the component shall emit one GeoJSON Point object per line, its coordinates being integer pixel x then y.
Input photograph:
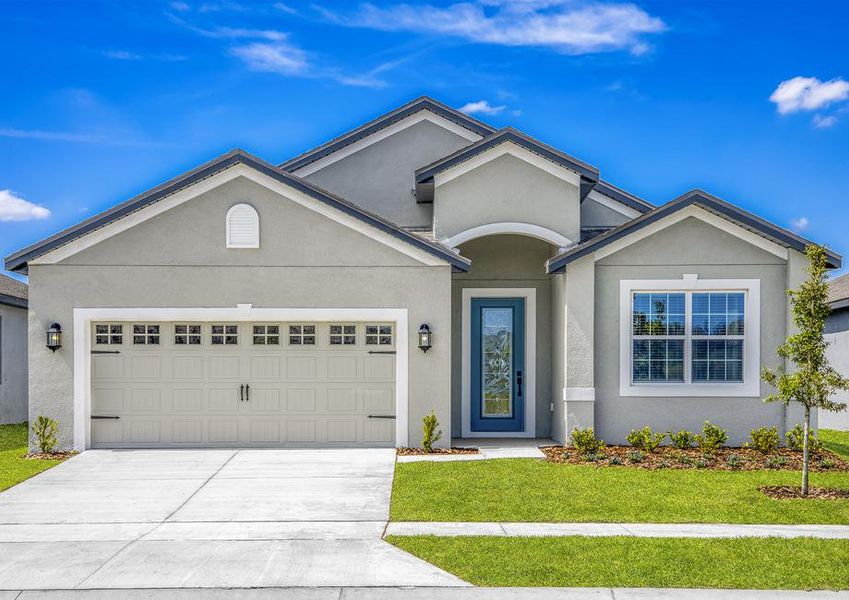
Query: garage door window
{"type": "Point", "coordinates": [302, 335]}
{"type": "Point", "coordinates": [225, 335]}
{"type": "Point", "coordinates": [379, 334]}
{"type": "Point", "coordinates": [146, 335]}
{"type": "Point", "coordinates": [266, 335]}
{"type": "Point", "coordinates": [187, 335]}
{"type": "Point", "coordinates": [343, 335]}
{"type": "Point", "coordinates": [109, 334]}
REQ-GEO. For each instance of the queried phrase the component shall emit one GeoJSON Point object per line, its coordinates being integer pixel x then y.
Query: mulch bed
{"type": "Point", "coordinates": [725, 459]}
{"type": "Point", "coordinates": [50, 455]}
{"type": "Point", "coordinates": [787, 492]}
{"type": "Point", "coordinates": [420, 451]}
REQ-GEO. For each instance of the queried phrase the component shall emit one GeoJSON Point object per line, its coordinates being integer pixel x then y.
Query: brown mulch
{"type": "Point", "coordinates": [420, 451]}
{"type": "Point", "coordinates": [666, 457]}
{"type": "Point", "coordinates": [50, 455]}
{"type": "Point", "coordinates": [785, 492]}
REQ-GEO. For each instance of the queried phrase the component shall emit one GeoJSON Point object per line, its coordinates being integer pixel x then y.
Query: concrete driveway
{"type": "Point", "coordinates": [207, 518]}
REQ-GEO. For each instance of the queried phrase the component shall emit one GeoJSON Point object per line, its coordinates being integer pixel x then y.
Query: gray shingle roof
{"type": "Point", "coordinates": [13, 292]}
{"type": "Point", "coordinates": [838, 289]}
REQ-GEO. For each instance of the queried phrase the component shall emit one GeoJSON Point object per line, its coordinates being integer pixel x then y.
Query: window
{"type": "Point", "coordinates": [379, 335]}
{"type": "Point", "coordinates": [302, 335]}
{"type": "Point", "coordinates": [690, 337]}
{"type": "Point", "coordinates": [343, 335]}
{"type": "Point", "coordinates": [146, 335]}
{"type": "Point", "coordinates": [225, 335]}
{"type": "Point", "coordinates": [266, 335]}
{"type": "Point", "coordinates": [242, 227]}
{"type": "Point", "coordinates": [187, 335]}
{"type": "Point", "coordinates": [108, 334]}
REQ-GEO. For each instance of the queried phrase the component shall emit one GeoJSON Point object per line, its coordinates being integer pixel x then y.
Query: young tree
{"type": "Point", "coordinates": [813, 380]}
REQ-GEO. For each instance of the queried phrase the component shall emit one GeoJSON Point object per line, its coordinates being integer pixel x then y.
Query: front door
{"type": "Point", "coordinates": [498, 364]}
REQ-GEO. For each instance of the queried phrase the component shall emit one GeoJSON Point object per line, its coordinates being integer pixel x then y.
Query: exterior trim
{"type": "Point", "coordinates": [423, 103]}
{"type": "Point", "coordinates": [614, 205]}
{"type": "Point", "coordinates": [529, 294]}
{"type": "Point", "coordinates": [535, 231]}
{"type": "Point", "coordinates": [743, 218]}
{"type": "Point", "coordinates": [7, 300]}
{"type": "Point", "coordinates": [83, 317]}
{"type": "Point", "coordinates": [623, 197]}
{"type": "Point", "coordinates": [751, 386]}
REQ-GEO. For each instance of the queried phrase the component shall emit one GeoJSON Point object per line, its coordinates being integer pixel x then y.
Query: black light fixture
{"type": "Point", "coordinates": [425, 341]}
{"type": "Point", "coordinates": [54, 337]}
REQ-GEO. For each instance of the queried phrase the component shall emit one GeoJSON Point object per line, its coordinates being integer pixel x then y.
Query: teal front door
{"type": "Point", "coordinates": [498, 364]}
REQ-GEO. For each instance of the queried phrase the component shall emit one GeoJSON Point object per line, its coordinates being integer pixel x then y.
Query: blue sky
{"type": "Point", "coordinates": [748, 100]}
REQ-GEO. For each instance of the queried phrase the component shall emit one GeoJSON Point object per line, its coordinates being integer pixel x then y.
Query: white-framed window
{"type": "Point", "coordinates": [145, 334]}
{"type": "Point", "coordinates": [343, 335]}
{"type": "Point", "coordinates": [109, 334]}
{"type": "Point", "coordinates": [378, 334]}
{"type": "Point", "coordinates": [690, 337]}
{"type": "Point", "coordinates": [224, 334]}
{"type": "Point", "coordinates": [188, 334]}
{"type": "Point", "coordinates": [242, 226]}
{"type": "Point", "coordinates": [302, 334]}
{"type": "Point", "coordinates": [266, 335]}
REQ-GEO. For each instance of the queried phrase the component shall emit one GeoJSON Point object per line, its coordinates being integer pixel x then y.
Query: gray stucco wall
{"type": "Point", "coordinates": [594, 214]}
{"type": "Point", "coordinates": [380, 178]}
{"type": "Point", "coordinates": [179, 259]}
{"type": "Point", "coordinates": [506, 189]}
{"type": "Point", "coordinates": [506, 261]}
{"type": "Point", "coordinates": [687, 247]}
{"type": "Point", "coordinates": [13, 369]}
{"type": "Point", "coordinates": [837, 334]}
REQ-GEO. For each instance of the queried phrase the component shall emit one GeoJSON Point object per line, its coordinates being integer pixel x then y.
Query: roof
{"type": "Point", "coordinates": [508, 134]}
{"type": "Point", "coordinates": [838, 291]}
{"type": "Point", "coordinates": [700, 198]}
{"type": "Point", "coordinates": [18, 261]}
{"type": "Point", "coordinates": [422, 103]}
{"type": "Point", "coordinates": [13, 292]}
{"type": "Point", "coordinates": [620, 195]}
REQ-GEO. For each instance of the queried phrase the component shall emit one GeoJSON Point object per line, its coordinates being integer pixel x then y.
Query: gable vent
{"type": "Point", "coordinates": [242, 227]}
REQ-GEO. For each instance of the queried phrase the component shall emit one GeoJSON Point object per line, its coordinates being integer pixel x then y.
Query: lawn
{"type": "Point", "coordinates": [13, 467]}
{"type": "Point", "coordinates": [753, 563]}
{"type": "Point", "coordinates": [539, 491]}
{"type": "Point", "coordinates": [836, 441]}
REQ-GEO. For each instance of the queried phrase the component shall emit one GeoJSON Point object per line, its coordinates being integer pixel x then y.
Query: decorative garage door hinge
{"type": "Point", "coordinates": [106, 352]}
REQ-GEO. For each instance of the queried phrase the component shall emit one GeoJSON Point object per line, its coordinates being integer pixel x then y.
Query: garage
{"type": "Point", "coordinates": [268, 383]}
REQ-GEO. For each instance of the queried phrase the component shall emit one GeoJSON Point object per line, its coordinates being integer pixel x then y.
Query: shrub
{"type": "Point", "coordinates": [734, 461]}
{"type": "Point", "coordinates": [765, 439]}
{"type": "Point", "coordinates": [795, 439]}
{"type": "Point", "coordinates": [616, 461]}
{"type": "Point", "coordinates": [776, 462]}
{"type": "Point", "coordinates": [712, 438]}
{"type": "Point", "coordinates": [585, 441]}
{"type": "Point", "coordinates": [683, 439]}
{"type": "Point", "coordinates": [636, 456]}
{"type": "Point", "coordinates": [645, 439]}
{"type": "Point", "coordinates": [701, 463]}
{"type": "Point", "coordinates": [430, 433]}
{"type": "Point", "coordinates": [593, 456]}
{"type": "Point", "coordinates": [825, 463]}
{"type": "Point", "coordinates": [44, 430]}
{"type": "Point", "coordinates": [688, 460]}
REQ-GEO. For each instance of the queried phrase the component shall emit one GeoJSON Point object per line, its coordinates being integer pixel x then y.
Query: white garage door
{"type": "Point", "coordinates": [192, 384]}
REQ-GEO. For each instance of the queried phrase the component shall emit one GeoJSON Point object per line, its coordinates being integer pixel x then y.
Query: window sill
{"type": "Point", "coordinates": [700, 390]}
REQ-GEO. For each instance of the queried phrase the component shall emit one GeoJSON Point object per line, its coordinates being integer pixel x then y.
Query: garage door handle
{"type": "Point", "coordinates": [381, 416]}
{"type": "Point", "coordinates": [242, 393]}
{"type": "Point", "coordinates": [247, 392]}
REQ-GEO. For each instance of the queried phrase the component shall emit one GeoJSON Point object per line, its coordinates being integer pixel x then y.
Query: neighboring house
{"type": "Point", "coordinates": [248, 304]}
{"type": "Point", "coordinates": [837, 334]}
{"type": "Point", "coordinates": [13, 350]}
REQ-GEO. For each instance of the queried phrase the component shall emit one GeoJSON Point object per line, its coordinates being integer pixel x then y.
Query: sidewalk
{"type": "Point", "coordinates": [407, 528]}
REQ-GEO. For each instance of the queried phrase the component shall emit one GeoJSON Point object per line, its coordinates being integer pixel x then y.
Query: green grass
{"type": "Point", "coordinates": [536, 490]}
{"type": "Point", "coordinates": [836, 441]}
{"type": "Point", "coordinates": [13, 467]}
{"type": "Point", "coordinates": [753, 563]}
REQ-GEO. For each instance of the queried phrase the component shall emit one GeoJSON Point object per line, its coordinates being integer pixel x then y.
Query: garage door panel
{"type": "Point", "coordinates": [342, 367]}
{"type": "Point", "coordinates": [265, 367]}
{"type": "Point", "coordinates": [300, 431]}
{"type": "Point", "coordinates": [105, 367]}
{"type": "Point", "coordinates": [223, 432]}
{"type": "Point", "coordinates": [264, 399]}
{"type": "Point", "coordinates": [301, 399]}
{"type": "Point", "coordinates": [187, 367]}
{"type": "Point", "coordinates": [224, 399]}
{"type": "Point", "coordinates": [341, 431]}
{"type": "Point", "coordinates": [379, 368]}
{"type": "Point", "coordinates": [146, 366]}
{"type": "Point", "coordinates": [145, 432]}
{"type": "Point", "coordinates": [107, 400]}
{"type": "Point", "coordinates": [188, 400]}
{"type": "Point", "coordinates": [187, 432]}
{"type": "Point", "coordinates": [379, 430]}
{"type": "Point", "coordinates": [224, 367]}
{"type": "Point", "coordinates": [342, 399]}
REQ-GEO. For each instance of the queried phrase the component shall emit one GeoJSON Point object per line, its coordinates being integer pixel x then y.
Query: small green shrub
{"type": "Point", "coordinates": [687, 460]}
{"type": "Point", "coordinates": [44, 430]}
{"type": "Point", "coordinates": [825, 463]}
{"type": "Point", "coordinates": [702, 463]}
{"type": "Point", "coordinates": [430, 433]}
{"type": "Point", "coordinates": [734, 461]}
{"type": "Point", "coordinates": [682, 440]}
{"type": "Point", "coordinates": [616, 461]}
{"type": "Point", "coordinates": [635, 456]}
{"type": "Point", "coordinates": [712, 438]}
{"type": "Point", "coordinates": [645, 439]}
{"type": "Point", "coordinates": [585, 441]}
{"type": "Point", "coordinates": [795, 439]}
{"type": "Point", "coordinates": [594, 456]}
{"type": "Point", "coordinates": [765, 439]}
{"type": "Point", "coordinates": [776, 462]}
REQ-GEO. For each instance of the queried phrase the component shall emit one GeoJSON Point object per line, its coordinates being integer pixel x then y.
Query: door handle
{"type": "Point", "coordinates": [242, 393]}
{"type": "Point", "coordinates": [247, 392]}
{"type": "Point", "coordinates": [519, 382]}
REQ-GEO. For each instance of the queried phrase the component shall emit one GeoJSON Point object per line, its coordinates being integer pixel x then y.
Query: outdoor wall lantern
{"type": "Point", "coordinates": [424, 337]}
{"type": "Point", "coordinates": [54, 337]}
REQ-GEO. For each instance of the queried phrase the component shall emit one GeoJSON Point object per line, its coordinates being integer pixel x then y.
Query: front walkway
{"type": "Point", "coordinates": [208, 519]}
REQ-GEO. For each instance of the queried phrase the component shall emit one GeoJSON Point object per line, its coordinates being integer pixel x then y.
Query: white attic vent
{"type": "Point", "coordinates": [242, 227]}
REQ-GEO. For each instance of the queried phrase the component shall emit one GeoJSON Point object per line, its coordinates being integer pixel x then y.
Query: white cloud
{"type": "Point", "coordinates": [808, 93]}
{"type": "Point", "coordinates": [481, 107]}
{"type": "Point", "coordinates": [800, 224]}
{"type": "Point", "coordinates": [180, 6]}
{"type": "Point", "coordinates": [15, 208]}
{"type": "Point", "coordinates": [273, 57]}
{"type": "Point", "coordinates": [121, 55]}
{"type": "Point", "coordinates": [824, 122]}
{"type": "Point", "coordinates": [568, 26]}
{"type": "Point", "coordinates": [281, 6]}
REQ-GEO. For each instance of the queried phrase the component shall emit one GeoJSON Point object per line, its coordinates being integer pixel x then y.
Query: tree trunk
{"type": "Point", "coordinates": [805, 451]}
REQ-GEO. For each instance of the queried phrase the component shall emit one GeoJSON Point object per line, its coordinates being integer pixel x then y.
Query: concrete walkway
{"type": "Point", "coordinates": [614, 529]}
{"type": "Point", "coordinates": [207, 519]}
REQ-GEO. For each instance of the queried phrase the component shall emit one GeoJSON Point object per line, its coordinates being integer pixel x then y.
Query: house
{"type": "Point", "coordinates": [424, 261]}
{"type": "Point", "coordinates": [837, 335]}
{"type": "Point", "coordinates": [13, 350]}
